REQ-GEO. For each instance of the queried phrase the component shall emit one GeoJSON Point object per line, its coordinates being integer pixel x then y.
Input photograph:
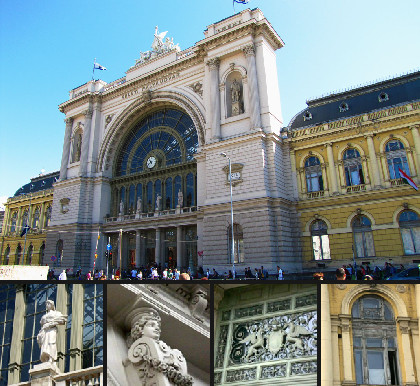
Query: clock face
{"type": "Point", "coordinates": [151, 162]}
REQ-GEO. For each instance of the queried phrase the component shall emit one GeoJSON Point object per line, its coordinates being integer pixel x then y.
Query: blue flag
{"type": "Point", "coordinates": [97, 66]}
{"type": "Point", "coordinates": [25, 230]}
{"type": "Point", "coordinates": [241, 1]}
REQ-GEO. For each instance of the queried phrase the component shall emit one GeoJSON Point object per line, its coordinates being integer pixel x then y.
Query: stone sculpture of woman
{"type": "Point", "coordinates": [121, 207]}
{"type": "Point", "coordinates": [47, 336]}
{"type": "Point", "coordinates": [139, 205]}
{"type": "Point", "coordinates": [180, 198]}
{"type": "Point", "coordinates": [155, 362]}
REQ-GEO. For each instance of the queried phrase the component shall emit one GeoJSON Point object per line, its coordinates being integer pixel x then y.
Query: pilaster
{"type": "Point", "coordinates": [407, 358]}
{"type": "Point", "coordinates": [416, 137]}
{"type": "Point", "coordinates": [214, 97]}
{"type": "Point", "coordinates": [331, 167]}
{"type": "Point", "coordinates": [85, 141]}
{"type": "Point", "coordinates": [347, 352]}
{"type": "Point", "coordinates": [374, 162]}
{"type": "Point", "coordinates": [327, 362]}
{"type": "Point", "coordinates": [66, 148]}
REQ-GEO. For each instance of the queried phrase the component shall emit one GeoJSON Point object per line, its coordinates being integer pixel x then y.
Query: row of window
{"type": "Point", "coordinates": [35, 222]}
{"type": "Point", "coordinates": [29, 254]}
{"type": "Point", "coordinates": [409, 223]}
{"type": "Point", "coordinates": [352, 163]}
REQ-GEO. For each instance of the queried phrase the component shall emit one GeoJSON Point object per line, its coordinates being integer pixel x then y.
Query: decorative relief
{"type": "Point", "coordinates": [249, 50]}
{"type": "Point", "coordinates": [154, 361]}
{"type": "Point", "coordinates": [64, 205]}
{"type": "Point", "coordinates": [108, 119]}
{"type": "Point", "coordinates": [274, 338]}
{"type": "Point", "coordinates": [213, 63]}
{"type": "Point", "coordinates": [275, 371]}
{"type": "Point", "coordinates": [197, 87]}
{"type": "Point", "coordinates": [401, 288]}
{"type": "Point", "coordinates": [218, 378]}
{"type": "Point", "coordinates": [241, 375]}
{"type": "Point", "coordinates": [225, 315]}
{"type": "Point", "coordinates": [220, 354]}
{"type": "Point", "coordinates": [280, 305]}
{"type": "Point", "coordinates": [308, 300]}
{"type": "Point", "coordinates": [301, 368]}
{"type": "Point", "coordinates": [341, 286]}
{"type": "Point", "coordinates": [249, 311]}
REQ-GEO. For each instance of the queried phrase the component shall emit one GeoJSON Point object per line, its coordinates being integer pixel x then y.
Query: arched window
{"type": "Point", "coordinates": [353, 167]}
{"type": "Point", "coordinates": [320, 240]}
{"type": "Point", "coordinates": [396, 158]}
{"type": "Point", "coordinates": [35, 221]}
{"type": "Point", "coordinates": [363, 238]}
{"type": "Point", "coordinates": [18, 254]}
{"type": "Point", "coordinates": [139, 195]}
{"type": "Point", "coordinates": [122, 200]}
{"type": "Point", "coordinates": [41, 254]}
{"type": "Point", "coordinates": [48, 215]}
{"type": "Point", "coordinates": [313, 171]}
{"type": "Point", "coordinates": [13, 224]}
{"type": "Point", "coordinates": [190, 190]}
{"type": "Point", "coordinates": [409, 222]}
{"type": "Point", "coordinates": [150, 201]}
{"type": "Point", "coordinates": [30, 254]}
{"type": "Point", "coordinates": [238, 238]}
{"type": "Point", "coordinates": [7, 255]}
{"type": "Point", "coordinates": [168, 194]}
{"type": "Point", "coordinates": [131, 199]}
{"type": "Point", "coordinates": [374, 342]}
{"type": "Point", "coordinates": [177, 186]}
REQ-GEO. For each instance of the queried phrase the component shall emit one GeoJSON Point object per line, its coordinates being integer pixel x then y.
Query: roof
{"type": "Point", "coordinates": [360, 100]}
{"type": "Point", "coordinates": [42, 182]}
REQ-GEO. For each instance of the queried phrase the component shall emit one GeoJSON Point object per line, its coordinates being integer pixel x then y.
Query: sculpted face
{"type": "Point", "coordinates": [152, 329]}
{"type": "Point", "coordinates": [49, 306]}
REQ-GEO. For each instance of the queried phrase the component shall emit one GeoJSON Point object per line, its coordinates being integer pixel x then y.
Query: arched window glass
{"type": "Point", "coordinates": [353, 167]}
{"type": "Point", "coordinates": [374, 342]}
{"type": "Point", "coordinates": [7, 310]}
{"type": "Point", "coordinates": [122, 199]}
{"type": "Point", "coordinates": [396, 158]}
{"type": "Point", "coordinates": [363, 238]}
{"type": "Point", "coordinates": [139, 195]}
{"type": "Point", "coordinates": [190, 190]}
{"type": "Point", "coordinates": [30, 253]}
{"type": "Point", "coordinates": [18, 254]}
{"type": "Point", "coordinates": [41, 254]}
{"type": "Point", "coordinates": [238, 238]}
{"type": "Point", "coordinates": [35, 221]}
{"type": "Point", "coordinates": [409, 222]}
{"type": "Point", "coordinates": [177, 185]}
{"type": "Point", "coordinates": [14, 220]}
{"type": "Point", "coordinates": [48, 215]}
{"type": "Point", "coordinates": [313, 172]}
{"type": "Point", "coordinates": [158, 188]}
{"type": "Point", "coordinates": [168, 193]}
{"type": "Point", "coordinates": [150, 201]}
{"type": "Point", "coordinates": [131, 198]}
{"type": "Point", "coordinates": [7, 255]}
{"type": "Point", "coordinates": [320, 240]}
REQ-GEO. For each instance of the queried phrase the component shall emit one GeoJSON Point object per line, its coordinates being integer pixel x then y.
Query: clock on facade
{"type": "Point", "coordinates": [151, 162]}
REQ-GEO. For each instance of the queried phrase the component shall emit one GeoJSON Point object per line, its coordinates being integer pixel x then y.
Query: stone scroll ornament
{"type": "Point", "coordinates": [155, 362]}
{"type": "Point", "coordinates": [278, 337]}
{"type": "Point", "coordinates": [47, 336]}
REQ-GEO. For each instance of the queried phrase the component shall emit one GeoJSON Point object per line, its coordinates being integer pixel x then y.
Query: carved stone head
{"type": "Point", "coordinates": [145, 322]}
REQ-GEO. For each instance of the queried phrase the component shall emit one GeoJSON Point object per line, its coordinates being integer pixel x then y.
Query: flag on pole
{"type": "Point", "coordinates": [241, 1]}
{"type": "Point", "coordinates": [408, 179]}
{"type": "Point", "coordinates": [25, 230]}
{"type": "Point", "coordinates": [97, 66]}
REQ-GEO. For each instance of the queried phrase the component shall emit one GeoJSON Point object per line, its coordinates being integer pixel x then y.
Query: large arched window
{"type": "Point", "coordinates": [41, 254]}
{"type": "Point", "coordinates": [14, 221]}
{"type": "Point", "coordinates": [353, 167]}
{"type": "Point", "coordinates": [409, 222]}
{"type": "Point", "coordinates": [313, 172]}
{"type": "Point", "coordinates": [396, 158]}
{"type": "Point", "coordinates": [7, 255]}
{"type": "Point", "coordinates": [374, 342]}
{"type": "Point", "coordinates": [320, 240]}
{"type": "Point", "coordinates": [363, 238]}
{"type": "Point", "coordinates": [18, 254]}
{"type": "Point", "coordinates": [30, 254]}
{"type": "Point", "coordinates": [238, 239]}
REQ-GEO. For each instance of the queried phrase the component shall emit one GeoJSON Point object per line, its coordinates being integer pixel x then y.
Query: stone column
{"type": "Point", "coordinates": [331, 167]}
{"type": "Point", "coordinates": [18, 329]}
{"type": "Point", "coordinates": [214, 97]}
{"type": "Point", "coordinates": [374, 162]}
{"type": "Point", "coordinates": [61, 305]}
{"type": "Point", "coordinates": [179, 249]}
{"type": "Point", "coordinates": [335, 348]}
{"type": "Point", "coordinates": [66, 148]}
{"type": "Point", "coordinates": [85, 141]}
{"type": "Point", "coordinates": [417, 346]}
{"type": "Point", "coordinates": [157, 246]}
{"type": "Point", "coordinates": [138, 249]}
{"type": "Point", "coordinates": [254, 95]}
{"type": "Point", "coordinates": [347, 352]}
{"type": "Point", "coordinates": [416, 137]}
{"type": "Point", "coordinates": [76, 335]}
{"type": "Point", "coordinates": [405, 351]}
{"type": "Point", "coordinates": [327, 362]}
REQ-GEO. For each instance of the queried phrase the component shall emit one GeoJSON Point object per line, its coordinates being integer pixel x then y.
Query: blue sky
{"type": "Point", "coordinates": [47, 48]}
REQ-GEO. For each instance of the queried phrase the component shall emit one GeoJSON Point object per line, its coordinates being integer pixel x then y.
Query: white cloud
{"type": "Point", "coordinates": [3, 200]}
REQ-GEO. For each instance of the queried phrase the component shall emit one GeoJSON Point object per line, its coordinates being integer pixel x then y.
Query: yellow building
{"type": "Point", "coordinates": [370, 334]}
{"type": "Point", "coordinates": [347, 150]}
{"type": "Point", "coordinates": [31, 205]}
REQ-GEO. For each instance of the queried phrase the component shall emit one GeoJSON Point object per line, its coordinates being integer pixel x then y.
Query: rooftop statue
{"type": "Point", "coordinates": [160, 45]}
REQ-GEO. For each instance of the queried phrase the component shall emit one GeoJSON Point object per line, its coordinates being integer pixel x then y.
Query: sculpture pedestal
{"type": "Point", "coordinates": [236, 108]}
{"type": "Point", "coordinates": [42, 374]}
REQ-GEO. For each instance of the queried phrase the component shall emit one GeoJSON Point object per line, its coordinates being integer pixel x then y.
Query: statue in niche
{"type": "Point", "coordinates": [121, 207]}
{"type": "Point", "coordinates": [235, 90]}
{"type": "Point", "coordinates": [158, 202]}
{"type": "Point", "coordinates": [139, 205]}
{"type": "Point", "coordinates": [47, 336]}
{"type": "Point", "coordinates": [78, 149]}
{"type": "Point", "coordinates": [155, 362]}
{"type": "Point", "coordinates": [180, 199]}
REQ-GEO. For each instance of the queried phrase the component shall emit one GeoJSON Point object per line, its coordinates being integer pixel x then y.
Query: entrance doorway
{"type": "Point", "coordinates": [170, 257]}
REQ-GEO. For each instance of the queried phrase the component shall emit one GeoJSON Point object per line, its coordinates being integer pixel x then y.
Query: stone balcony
{"type": "Point", "coordinates": [149, 215]}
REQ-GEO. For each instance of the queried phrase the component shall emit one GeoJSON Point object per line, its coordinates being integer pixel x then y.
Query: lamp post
{"type": "Point", "coordinates": [231, 213]}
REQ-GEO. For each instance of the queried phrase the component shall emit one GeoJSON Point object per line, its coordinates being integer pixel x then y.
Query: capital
{"type": "Point", "coordinates": [213, 63]}
{"type": "Point", "coordinates": [415, 127]}
{"type": "Point", "coordinates": [69, 121]}
{"type": "Point", "coordinates": [88, 113]}
{"type": "Point", "coordinates": [249, 50]}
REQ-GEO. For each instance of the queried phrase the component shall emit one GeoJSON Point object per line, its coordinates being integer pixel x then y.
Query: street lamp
{"type": "Point", "coordinates": [231, 213]}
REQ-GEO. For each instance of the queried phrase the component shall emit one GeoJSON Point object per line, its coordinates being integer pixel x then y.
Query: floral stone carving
{"type": "Point", "coordinates": [155, 362]}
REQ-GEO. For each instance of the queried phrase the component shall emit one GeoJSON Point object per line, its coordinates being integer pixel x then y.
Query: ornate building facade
{"type": "Point", "coordinates": [370, 334]}
{"type": "Point", "coordinates": [142, 157]}
{"type": "Point", "coordinates": [265, 334]}
{"type": "Point", "coordinates": [158, 334]}
{"type": "Point", "coordinates": [79, 341]}
{"type": "Point", "coordinates": [348, 153]}
{"type": "Point", "coordinates": [30, 206]}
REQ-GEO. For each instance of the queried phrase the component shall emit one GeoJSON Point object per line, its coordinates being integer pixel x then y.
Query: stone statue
{"type": "Point", "coordinates": [139, 205]}
{"type": "Point", "coordinates": [121, 207]}
{"type": "Point", "coordinates": [47, 336]}
{"type": "Point", "coordinates": [235, 90]}
{"type": "Point", "coordinates": [256, 340]}
{"type": "Point", "coordinates": [180, 199]}
{"type": "Point", "coordinates": [158, 201]}
{"type": "Point", "coordinates": [154, 361]}
{"type": "Point", "coordinates": [78, 148]}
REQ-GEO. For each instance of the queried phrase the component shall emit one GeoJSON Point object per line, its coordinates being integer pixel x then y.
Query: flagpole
{"type": "Point", "coordinates": [93, 71]}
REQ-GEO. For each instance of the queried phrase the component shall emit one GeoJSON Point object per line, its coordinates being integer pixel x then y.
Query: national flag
{"type": "Point", "coordinates": [97, 66]}
{"type": "Point", "coordinates": [408, 179]}
{"type": "Point", "coordinates": [241, 1]}
{"type": "Point", "coordinates": [25, 230]}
